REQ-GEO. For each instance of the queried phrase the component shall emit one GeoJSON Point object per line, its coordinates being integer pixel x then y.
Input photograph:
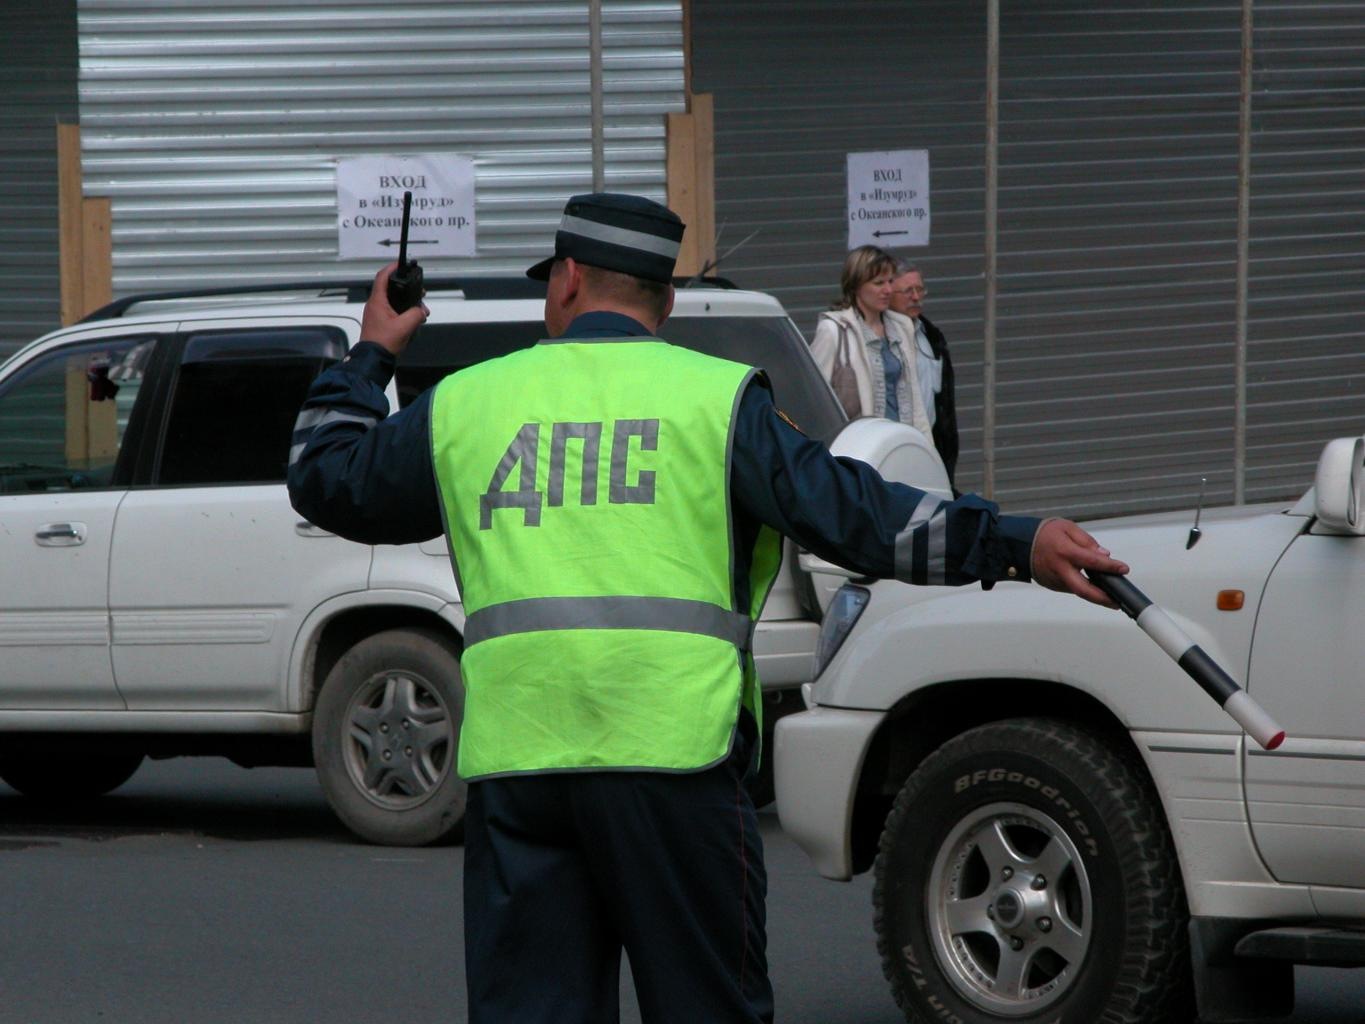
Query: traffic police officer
{"type": "Point", "coordinates": [614, 506]}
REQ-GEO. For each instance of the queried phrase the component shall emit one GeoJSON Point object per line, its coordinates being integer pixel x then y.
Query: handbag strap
{"type": "Point", "coordinates": [847, 360]}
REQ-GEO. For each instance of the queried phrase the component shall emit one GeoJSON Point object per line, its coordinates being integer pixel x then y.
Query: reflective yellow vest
{"type": "Point", "coordinates": [585, 489]}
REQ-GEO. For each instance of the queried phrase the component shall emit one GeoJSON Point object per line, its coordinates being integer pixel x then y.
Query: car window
{"type": "Point", "coordinates": [64, 417]}
{"type": "Point", "coordinates": [233, 404]}
{"type": "Point", "coordinates": [439, 349]}
{"type": "Point", "coordinates": [774, 345]}
{"type": "Point", "coordinates": [769, 342]}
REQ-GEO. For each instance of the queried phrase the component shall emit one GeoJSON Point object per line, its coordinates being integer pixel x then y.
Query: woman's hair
{"type": "Point", "coordinates": [862, 264]}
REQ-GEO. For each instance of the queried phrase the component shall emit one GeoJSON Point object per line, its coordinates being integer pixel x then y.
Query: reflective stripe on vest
{"type": "Point", "coordinates": [666, 613]}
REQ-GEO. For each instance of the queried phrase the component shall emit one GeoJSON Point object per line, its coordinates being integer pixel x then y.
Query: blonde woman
{"type": "Point", "coordinates": [865, 350]}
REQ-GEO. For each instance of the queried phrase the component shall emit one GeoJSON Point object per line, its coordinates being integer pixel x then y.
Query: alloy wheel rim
{"type": "Point", "coordinates": [399, 740]}
{"type": "Point", "coordinates": [1010, 909]}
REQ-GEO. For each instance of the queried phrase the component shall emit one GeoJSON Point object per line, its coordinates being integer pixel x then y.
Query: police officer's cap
{"type": "Point", "coordinates": [629, 234]}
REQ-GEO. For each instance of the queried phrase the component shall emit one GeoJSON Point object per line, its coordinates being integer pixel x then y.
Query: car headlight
{"type": "Point", "coordinates": [843, 612]}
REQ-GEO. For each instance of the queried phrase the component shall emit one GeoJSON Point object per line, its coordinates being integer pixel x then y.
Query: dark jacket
{"type": "Point", "coordinates": [369, 477]}
{"type": "Point", "coordinates": [945, 403]}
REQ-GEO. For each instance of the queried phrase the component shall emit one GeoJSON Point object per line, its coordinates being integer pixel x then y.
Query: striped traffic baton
{"type": "Point", "coordinates": [1191, 657]}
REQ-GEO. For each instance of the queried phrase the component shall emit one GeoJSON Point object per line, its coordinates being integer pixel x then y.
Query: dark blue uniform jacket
{"type": "Point", "coordinates": [368, 476]}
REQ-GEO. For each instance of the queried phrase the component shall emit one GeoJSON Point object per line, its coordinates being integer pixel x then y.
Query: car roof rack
{"type": "Point", "coordinates": [708, 281]}
{"type": "Point", "coordinates": [357, 290]}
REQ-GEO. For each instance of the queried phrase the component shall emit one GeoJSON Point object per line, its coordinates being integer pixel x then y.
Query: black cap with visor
{"type": "Point", "coordinates": [629, 234]}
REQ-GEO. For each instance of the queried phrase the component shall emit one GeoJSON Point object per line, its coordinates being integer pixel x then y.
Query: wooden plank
{"type": "Point", "coordinates": [682, 187]}
{"type": "Point", "coordinates": [102, 431]}
{"type": "Point", "coordinates": [97, 265]}
{"type": "Point", "coordinates": [703, 114]}
{"type": "Point", "coordinates": [77, 413]}
{"type": "Point", "coordinates": [96, 224]}
{"type": "Point", "coordinates": [69, 221]}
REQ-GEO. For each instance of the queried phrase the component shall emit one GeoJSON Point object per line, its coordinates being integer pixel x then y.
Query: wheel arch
{"type": "Point", "coordinates": [922, 721]}
{"type": "Point", "coordinates": [338, 625]}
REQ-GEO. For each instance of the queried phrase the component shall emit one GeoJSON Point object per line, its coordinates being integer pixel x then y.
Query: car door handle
{"type": "Point", "coordinates": [306, 529]}
{"type": "Point", "coordinates": [61, 535]}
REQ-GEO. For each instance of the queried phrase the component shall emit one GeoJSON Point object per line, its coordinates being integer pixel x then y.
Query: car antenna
{"type": "Point", "coordinates": [711, 265]}
{"type": "Point", "coordinates": [1195, 532]}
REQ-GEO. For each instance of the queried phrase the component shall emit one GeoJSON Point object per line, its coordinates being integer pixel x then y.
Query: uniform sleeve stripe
{"type": "Point", "coordinates": [937, 565]}
{"type": "Point", "coordinates": [311, 419]}
{"type": "Point", "coordinates": [905, 561]}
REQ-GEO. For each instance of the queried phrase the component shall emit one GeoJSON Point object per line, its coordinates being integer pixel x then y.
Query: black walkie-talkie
{"type": "Point", "coordinates": [405, 283]}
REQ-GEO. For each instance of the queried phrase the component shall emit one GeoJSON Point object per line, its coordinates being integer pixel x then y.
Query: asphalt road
{"type": "Point", "coordinates": [202, 893]}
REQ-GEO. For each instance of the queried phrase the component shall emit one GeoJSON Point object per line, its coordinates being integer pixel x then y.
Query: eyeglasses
{"type": "Point", "coordinates": [914, 289]}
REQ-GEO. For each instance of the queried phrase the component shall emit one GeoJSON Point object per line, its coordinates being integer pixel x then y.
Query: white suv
{"type": "Point", "coordinates": [160, 596]}
{"type": "Point", "coordinates": [1064, 828]}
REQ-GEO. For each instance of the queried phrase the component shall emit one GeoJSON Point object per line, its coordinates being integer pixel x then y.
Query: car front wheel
{"type": "Point", "coordinates": [385, 737]}
{"type": "Point", "coordinates": [1026, 874]}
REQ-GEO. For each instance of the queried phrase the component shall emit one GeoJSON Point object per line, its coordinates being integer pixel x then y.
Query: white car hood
{"type": "Point", "coordinates": [910, 637]}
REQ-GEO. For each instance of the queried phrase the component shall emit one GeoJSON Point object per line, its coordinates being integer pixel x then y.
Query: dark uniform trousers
{"type": "Point", "coordinates": [563, 871]}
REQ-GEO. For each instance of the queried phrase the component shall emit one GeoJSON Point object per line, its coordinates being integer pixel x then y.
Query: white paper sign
{"type": "Point", "coordinates": [888, 198]}
{"type": "Point", "coordinates": [370, 206]}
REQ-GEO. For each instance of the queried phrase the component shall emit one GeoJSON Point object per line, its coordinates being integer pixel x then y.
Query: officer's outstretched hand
{"type": "Point", "coordinates": [380, 324]}
{"type": "Point", "coordinates": [1061, 549]}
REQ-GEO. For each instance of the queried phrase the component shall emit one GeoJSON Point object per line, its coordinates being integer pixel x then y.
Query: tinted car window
{"type": "Point", "coordinates": [768, 342]}
{"type": "Point", "coordinates": [774, 345]}
{"type": "Point", "coordinates": [439, 349]}
{"type": "Point", "coordinates": [64, 417]}
{"type": "Point", "coordinates": [235, 398]}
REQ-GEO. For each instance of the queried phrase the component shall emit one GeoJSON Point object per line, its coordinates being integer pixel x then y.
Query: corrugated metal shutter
{"type": "Point", "coordinates": [800, 83]}
{"type": "Point", "coordinates": [215, 128]}
{"type": "Point", "coordinates": [1306, 351]}
{"type": "Point", "coordinates": [1118, 188]}
{"type": "Point", "coordinates": [1118, 192]}
{"type": "Point", "coordinates": [38, 82]}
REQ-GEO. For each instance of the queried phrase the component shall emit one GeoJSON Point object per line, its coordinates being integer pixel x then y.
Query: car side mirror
{"type": "Point", "coordinates": [1340, 485]}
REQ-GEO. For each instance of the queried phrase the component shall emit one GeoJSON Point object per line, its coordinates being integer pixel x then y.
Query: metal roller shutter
{"type": "Point", "coordinates": [1117, 219]}
{"type": "Point", "coordinates": [38, 81]}
{"type": "Point", "coordinates": [1306, 347]}
{"type": "Point", "coordinates": [798, 85]}
{"type": "Point", "coordinates": [1118, 231]}
{"type": "Point", "coordinates": [215, 127]}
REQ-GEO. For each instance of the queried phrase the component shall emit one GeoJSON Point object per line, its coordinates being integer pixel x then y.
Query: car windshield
{"type": "Point", "coordinates": [771, 343]}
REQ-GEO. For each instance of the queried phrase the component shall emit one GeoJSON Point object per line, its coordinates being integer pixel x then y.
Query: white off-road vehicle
{"type": "Point", "coordinates": [1064, 828]}
{"type": "Point", "coordinates": [160, 597]}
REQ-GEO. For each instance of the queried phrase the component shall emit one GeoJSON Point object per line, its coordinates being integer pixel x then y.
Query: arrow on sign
{"type": "Point", "coordinates": [885, 234]}
{"type": "Point", "coordinates": [424, 241]}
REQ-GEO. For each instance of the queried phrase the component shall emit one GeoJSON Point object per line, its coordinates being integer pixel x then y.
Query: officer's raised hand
{"type": "Point", "coordinates": [1061, 549]}
{"type": "Point", "coordinates": [381, 325]}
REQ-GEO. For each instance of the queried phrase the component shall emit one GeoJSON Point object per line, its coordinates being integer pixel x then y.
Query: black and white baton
{"type": "Point", "coordinates": [1191, 657]}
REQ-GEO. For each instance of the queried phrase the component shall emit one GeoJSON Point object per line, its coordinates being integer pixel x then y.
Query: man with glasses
{"type": "Point", "coordinates": [935, 368]}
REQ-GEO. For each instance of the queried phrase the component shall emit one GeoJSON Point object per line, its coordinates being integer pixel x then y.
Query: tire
{"type": "Point", "coordinates": [69, 775]}
{"type": "Point", "coordinates": [1026, 874]}
{"type": "Point", "coordinates": [385, 739]}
